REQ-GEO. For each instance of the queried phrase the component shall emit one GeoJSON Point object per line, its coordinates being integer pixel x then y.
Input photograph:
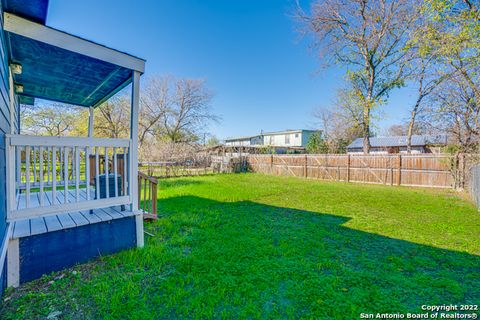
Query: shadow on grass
{"type": "Point", "coordinates": [245, 260]}
{"type": "Point", "coordinates": [301, 263]}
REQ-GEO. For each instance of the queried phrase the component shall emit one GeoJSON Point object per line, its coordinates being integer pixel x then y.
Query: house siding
{"type": "Point", "coordinates": [287, 139]}
{"type": "Point", "coordinates": [4, 129]}
{"type": "Point", "coordinates": [280, 140]}
{"type": "Point", "coordinates": [296, 139]}
{"type": "Point", "coordinates": [239, 142]}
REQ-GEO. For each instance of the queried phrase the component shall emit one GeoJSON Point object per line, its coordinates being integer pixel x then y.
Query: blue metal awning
{"type": "Point", "coordinates": [60, 67]}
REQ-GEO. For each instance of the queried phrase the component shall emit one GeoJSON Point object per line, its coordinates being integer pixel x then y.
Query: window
{"type": "Point", "coordinates": [287, 139]}
{"type": "Point", "coordinates": [296, 135]}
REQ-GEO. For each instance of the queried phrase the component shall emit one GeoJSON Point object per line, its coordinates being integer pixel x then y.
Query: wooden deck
{"type": "Point", "coordinates": [34, 200]}
{"type": "Point", "coordinates": [39, 225]}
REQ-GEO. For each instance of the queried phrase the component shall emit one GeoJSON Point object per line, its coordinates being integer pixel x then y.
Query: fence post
{"type": "Point", "coordinates": [271, 164]}
{"type": "Point", "coordinates": [154, 198]}
{"type": "Point", "coordinates": [391, 171]}
{"type": "Point", "coordinates": [459, 175]}
{"type": "Point", "coordinates": [462, 170]}
{"type": "Point", "coordinates": [399, 172]}
{"type": "Point", "coordinates": [140, 189]}
{"type": "Point", "coordinates": [348, 168]}
{"type": "Point", "coordinates": [305, 169]}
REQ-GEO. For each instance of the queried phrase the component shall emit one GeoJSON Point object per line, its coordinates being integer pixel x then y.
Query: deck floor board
{"type": "Point", "coordinates": [78, 218]}
{"type": "Point", "coordinates": [91, 217]}
{"type": "Point", "coordinates": [34, 199]}
{"type": "Point", "coordinates": [102, 215]}
{"type": "Point", "coordinates": [53, 224]}
{"type": "Point", "coordinates": [66, 221]}
{"type": "Point", "coordinates": [39, 225]}
{"type": "Point", "coordinates": [113, 213]}
{"type": "Point", "coordinates": [21, 228]}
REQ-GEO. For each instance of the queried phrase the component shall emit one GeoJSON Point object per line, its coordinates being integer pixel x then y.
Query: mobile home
{"type": "Point", "coordinates": [278, 140]}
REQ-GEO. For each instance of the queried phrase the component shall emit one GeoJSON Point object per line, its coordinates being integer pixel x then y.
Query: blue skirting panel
{"type": "Point", "coordinates": [54, 251]}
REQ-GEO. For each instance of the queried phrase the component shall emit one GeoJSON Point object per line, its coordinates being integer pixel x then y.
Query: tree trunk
{"type": "Point", "coordinates": [422, 92]}
{"type": "Point", "coordinates": [368, 105]}
{"type": "Point", "coordinates": [366, 130]}
{"type": "Point", "coordinates": [409, 135]}
{"type": "Point", "coordinates": [411, 125]}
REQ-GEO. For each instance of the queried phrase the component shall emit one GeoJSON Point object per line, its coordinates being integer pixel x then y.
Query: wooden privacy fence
{"type": "Point", "coordinates": [425, 170]}
{"type": "Point", "coordinates": [475, 184]}
{"type": "Point", "coordinates": [170, 169]}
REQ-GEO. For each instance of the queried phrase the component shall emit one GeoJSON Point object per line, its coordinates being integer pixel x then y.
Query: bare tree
{"type": "Point", "coordinates": [427, 79]}
{"type": "Point", "coordinates": [172, 111]}
{"type": "Point", "coordinates": [397, 130]}
{"type": "Point", "coordinates": [189, 111]}
{"type": "Point", "coordinates": [456, 111]}
{"type": "Point", "coordinates": [368, 37]}
{"type": "Point", "coordinates": [341, 123]}
{"type": "Point", "coordinates": [155, 103]}
{"type": "Point", "coordinates": [113, 118]}
{"type": "Point", "coordinates": [420, 127]}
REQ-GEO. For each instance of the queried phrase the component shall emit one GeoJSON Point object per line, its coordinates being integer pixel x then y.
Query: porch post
{"type": "Point", "coordinates": [134, 155]}
{"type": "Point", "coordinates": [11, 179]}
{"type": "Point", "coordinates": [12, 245]}
{"type": "Point", "coordinates": [90, 122]}
{"type": "Point", "coordinates": [11, 102]}
{"type": "Point", "coordinates": [13, 263]}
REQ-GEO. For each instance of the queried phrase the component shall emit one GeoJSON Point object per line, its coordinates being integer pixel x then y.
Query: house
{"type": "Point", "coordinates": [398, 144]}
{"type": "Point", "coordinates": [64, 200]}
{"type": "Point", "coordinates": [287, 138]}
{"type": "Point", "coordinates": [241, 141]}
{"type": "Point", "coordinates": [281, 141]}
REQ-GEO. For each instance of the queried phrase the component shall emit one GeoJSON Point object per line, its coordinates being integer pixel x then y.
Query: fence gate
{"type": "Point", "coordinates": [475, 184]}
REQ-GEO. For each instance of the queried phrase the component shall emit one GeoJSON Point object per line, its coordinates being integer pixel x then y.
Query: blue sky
{"type": "Point", "coordinates": [263, 74]}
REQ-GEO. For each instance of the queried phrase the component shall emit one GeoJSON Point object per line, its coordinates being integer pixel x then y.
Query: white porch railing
{"type": "Point", "coordinates": [51, 175]}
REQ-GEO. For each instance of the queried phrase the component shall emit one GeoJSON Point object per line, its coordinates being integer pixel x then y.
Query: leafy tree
{"type": "Point", "coordinates": [316, 144]}
{"type": "Point", "coordinates": [342, 123]}
{"type": "Point", "coordinates": [419, 128]}
{"type": "Point", "coordinates": [266, 150]}
{"type": "Point", "coordinates": [177, 110]}
{"type": "Point", "coordinates": [451, 36]}
{"type": "Point", "coordinates": [213, 141]}
{"type": "Point", "coordinates": [112, 118]}
{"type": "Point", "coordinates": [50, 119]}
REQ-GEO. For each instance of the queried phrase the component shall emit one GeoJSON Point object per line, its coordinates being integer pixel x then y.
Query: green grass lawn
{"type": "Point", "coordinates": [254, 246]}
